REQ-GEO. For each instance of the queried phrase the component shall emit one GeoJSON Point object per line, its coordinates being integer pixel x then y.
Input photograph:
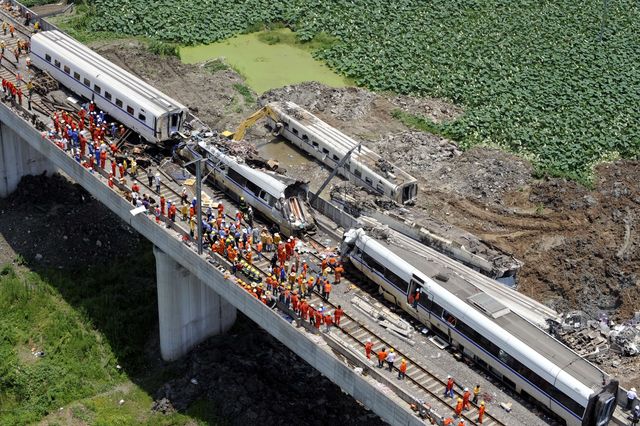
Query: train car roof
{"type": "Point", "coordinates": [497, 309]}
{"type": "Point", "coordinates": [88, 61]}
{"type": "Point", "coordinates": [339, 141]}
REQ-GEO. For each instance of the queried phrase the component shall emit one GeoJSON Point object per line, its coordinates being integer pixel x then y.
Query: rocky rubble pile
{"type": "Point", "coordinates": [344, 104]}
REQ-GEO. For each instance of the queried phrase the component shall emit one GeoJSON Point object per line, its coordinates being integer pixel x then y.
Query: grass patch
{"type": "Point", "coordinates": [163, 48]}
{"type": "Point", "coordinates": [245, 92]}
{"type": "Point", "coordinates": [420, 123]}
{"type": "Point", "coordinates": [216, 65]}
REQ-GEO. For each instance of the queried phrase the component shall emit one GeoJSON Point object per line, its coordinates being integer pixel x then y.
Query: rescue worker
{"type": "Point", "coordinates": [338, 271]}
{"type": "Point", "coordinates": [157, 182]}
{"type": "Point", "coordinates": [481, 409]}
{"type": "Point", "coordinates": [466, 396]}
{"type": "Point", "coordinates": [461, 423]}
{"type": "Point", "coordinates": [448, 390]}
{"type": "Point", "coordinates": [326, 291]}
{"type": "Point", "coordinates": [328, 321]}
{"type": "Point", "coordinates": [459, 406]}
{"type": "Point", "coordinates": [150, 177]}
{"type": "Point", "coordinates": [367, 348]}
{"type": "Point", "coordinates": [338, 314]}
{"type": "Point", "coordinates": [12, 30]}
{"type": "Point", "coordinates": [382, 355]}
{"type": "Point", "coordinates": [402, 370]}
{"type": "Point", "coordinates": [476, 392]}
{"type": "Point", "coordinates": [5, 26]}
{"type": "Point", "coordinates": [391, 357]}
{"type": "Point", "coordinates": [447, 421]}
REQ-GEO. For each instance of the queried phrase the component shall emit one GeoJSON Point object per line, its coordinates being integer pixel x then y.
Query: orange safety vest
{"type": "Point", "coordinates": [327, 287]}
{"type": "Point", "coordinates": [403, 367]}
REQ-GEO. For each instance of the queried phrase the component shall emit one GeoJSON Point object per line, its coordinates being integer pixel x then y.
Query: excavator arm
{"type": "Point", "coordinates": [265, 111]}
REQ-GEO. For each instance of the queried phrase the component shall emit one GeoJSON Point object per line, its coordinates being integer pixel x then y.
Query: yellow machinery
{"type": "Point", "coordinates": [250, 121]}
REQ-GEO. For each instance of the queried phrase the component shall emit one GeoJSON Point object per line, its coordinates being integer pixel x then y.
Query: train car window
{"type": "Point", "coordinates": [396, 280]}
{"type": "Point", "coordinates": [67, 69]}
{"type": "Point", "coordinates": [130, 110]}
{"type": "Point", "coordinates": [142, 117]}
{"type": "Point", "coordinates": [379, 187]}
{"type": "Point", "coordinates": [453, 321]}
{"type": "Point", "coordinates": [295, 131]}
{"type": "Point", "coordinates": [56, 63]}
{"type": "Point", "coordinates": [368, 180]}
{"type": "Point", "coordinates": [174, 120]}
{"type": "Point", "coordinates": [107, 95]}
{"type": "Point", "coordinates": [315, 144]}
{"type": "Point", "coordinates": [305, 138]}
{"type": "Point", "coordinates": [263, 195]}
{"type": "Point", "coordinates": [325, 150]}
{"type": "Point", "coordinates": [436, 309]}
{"type": "Point", "coordinates": [47, 57]}
{"type": "Point", "coordinates": [87, 82]}
{"type": "Point", "coordinates": [286, 125]}
{"type": "Point", "coordinates": [97, 89]}
{"type": "Point", "coordinates": [253, 187]}
{"type": "Point", "coordinates": [357, 173]}
{"type": "Point", "coordinates": [76, 76]}
{"type": "Point", "coordinates": [371, 262]}
{"type": "Point", "coordinates": [335, 157]}
{"type": "Point", "coordinates": [241, 180]}
{"type": "Point", "coordinates": [118, 102]}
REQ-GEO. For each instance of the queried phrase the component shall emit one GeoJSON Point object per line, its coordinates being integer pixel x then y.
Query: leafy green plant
{"type": "Point", "coordinates": [245, 92]}
{"type": "Point", "coordinates": [533, 77]}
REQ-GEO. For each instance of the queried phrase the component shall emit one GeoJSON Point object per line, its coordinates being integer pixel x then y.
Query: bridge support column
{"type": "Point", "coordinates": [188, 310]}
{"type": "Point", "coordinates": [18, 159]}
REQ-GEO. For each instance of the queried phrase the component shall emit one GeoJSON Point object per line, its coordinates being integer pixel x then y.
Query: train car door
{"type": "Point", "coordinates": [175, 120]}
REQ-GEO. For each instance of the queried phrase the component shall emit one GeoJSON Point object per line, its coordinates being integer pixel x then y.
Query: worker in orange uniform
{"type": "Point", "coordinates": [304, 309]}
{"type": "Point", "coordinates": [447, 421]}
{"type": "Point", "coordinates": [12, 30]}
{"type": "Point", "coordinates": [481, 409]}
{"type": "Point", "coordinates": [163, 202]}
{"type": "Point", "coordinates": [337, 314]}
{"type": "Point", "coordinates": [382, 355]}
{"type": "Point", "coordinates": [110, 181]}
{"type": "Point", "coordinates": [367, 348]}
{"type": "Point", "coordinates": [103, 159]}
{"type": "Point", "coordinates": [448, 390]}
{"type": "Point", "coordinates": [338, 271]}
{"type": "Point", "coordinates": [402, 370]}
{"type": "Point", "coordinates": [461, 423]}
{"type": "Point", "coordinates": [466, 397]}
{"type": "Point", "coordinates": [326, 291]}
{"type": "Point", "coordinates": [318, 319]}
{"type": "Point", "coordinates": [459, 406]}
{"type": "Point", "coordinates": [328, 322]}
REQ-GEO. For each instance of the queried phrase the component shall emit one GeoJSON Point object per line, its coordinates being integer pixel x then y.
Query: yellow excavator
{"type": "Point", "coordinates": [238, 135]}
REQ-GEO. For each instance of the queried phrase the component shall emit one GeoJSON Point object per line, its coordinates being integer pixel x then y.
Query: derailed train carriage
{"type": "Point", "coordinates": [283, 203]}
{"type": "Point", "coordinates": [329, 145]}
{"type": "Point", "coordinates": [136, 104]}
{"type": "Point", "coordinates": [524, 356]}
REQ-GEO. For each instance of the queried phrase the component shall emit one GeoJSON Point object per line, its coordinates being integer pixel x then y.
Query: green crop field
{"type": "Point", "coordinates": [558, 82]}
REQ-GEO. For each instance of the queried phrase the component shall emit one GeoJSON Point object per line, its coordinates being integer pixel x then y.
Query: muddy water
{"type": "Point", "coordinates": [297, 164]}
{"type": "Point", "coordinates": [265, 66]}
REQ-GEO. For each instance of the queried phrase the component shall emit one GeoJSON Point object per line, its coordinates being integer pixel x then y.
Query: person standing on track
{"type": "Point", "coordinates": [402, 370]}
{"type": "Point", "coordinates": [448, 390]}
{"type": "Point", "coordinates": [12, 30]}
{"type": "Point", "coordinates": [476, 393]}
{"type": "Point", "coordinates": [150, 177]}
{"type": "Point", "coordinates": [466, 396]}
{"type": "Point", "coordinates": [157, 182]}
{"type": "Point", "coordinates": [367, 348]}
{"type": "Point", "coordinates": [338, 314]}
{"type": "Point", "coordinates": [481, 409]}
{"type": "Point", "coordinates": [5, 26]}
{"type": "Point", "coordinates": [391, 358]}
{"type": "Point", "coordinates": [459, 406]}
{"type": "Point", "coordinates": [382, 355]}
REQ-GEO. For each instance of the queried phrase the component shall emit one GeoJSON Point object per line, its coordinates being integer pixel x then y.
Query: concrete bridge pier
{"type": "Point", "coordinates": [18, 159]}
{"type": "Point", "coordinates": [189, 311]}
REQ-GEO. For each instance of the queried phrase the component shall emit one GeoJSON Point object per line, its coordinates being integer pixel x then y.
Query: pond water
{"type": "Point", "coordinates": [265, 66]}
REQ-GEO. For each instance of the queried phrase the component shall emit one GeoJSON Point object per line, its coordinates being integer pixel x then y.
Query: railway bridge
{"type": "Point", "coordinates": [198, 296]}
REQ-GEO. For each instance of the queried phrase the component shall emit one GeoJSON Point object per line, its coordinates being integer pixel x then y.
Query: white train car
{"type": "Point", "coordinates": [125, 97]}
{"type": "Point", "coordinates": [281, 203]}
{"type": "Point", "coordinates": [328, 145]}
{"type": "Point", "coordinates": [528, 360]}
